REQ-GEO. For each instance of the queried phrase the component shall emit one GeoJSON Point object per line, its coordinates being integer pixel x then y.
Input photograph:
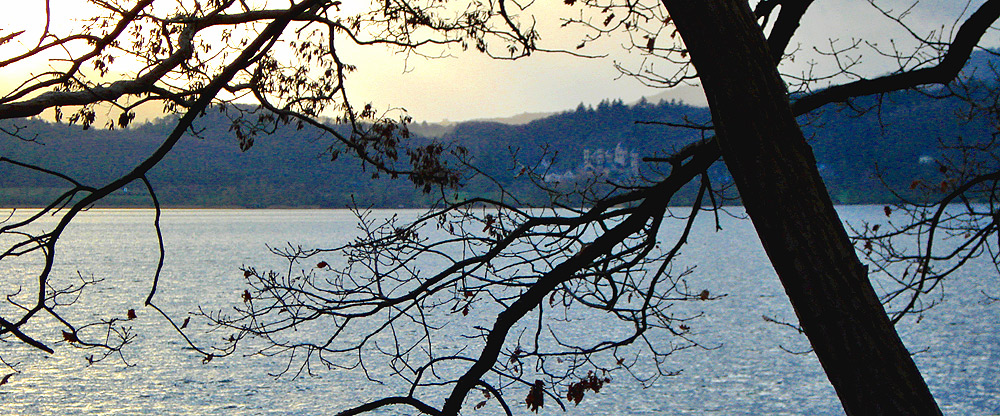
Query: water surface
{"type": "Point", "coordinates": [751, 372]}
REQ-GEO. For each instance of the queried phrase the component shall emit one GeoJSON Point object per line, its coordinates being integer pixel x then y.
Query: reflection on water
{"type": "Point", "coordinates": [750, 372]}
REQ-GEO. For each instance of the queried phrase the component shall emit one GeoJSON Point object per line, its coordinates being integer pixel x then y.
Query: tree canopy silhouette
{"type": "Point", "coordinates": [506, 276]}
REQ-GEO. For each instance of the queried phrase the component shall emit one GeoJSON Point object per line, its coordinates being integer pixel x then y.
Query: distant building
{"type": "Point", "coordinates": [620, 161]}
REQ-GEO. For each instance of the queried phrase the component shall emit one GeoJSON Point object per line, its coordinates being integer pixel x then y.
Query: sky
{"type": "Point", "coordinates": [469, 85]}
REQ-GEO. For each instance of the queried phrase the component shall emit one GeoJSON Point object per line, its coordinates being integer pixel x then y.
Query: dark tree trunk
{"type": "Point", "coordinates": [776, 174]}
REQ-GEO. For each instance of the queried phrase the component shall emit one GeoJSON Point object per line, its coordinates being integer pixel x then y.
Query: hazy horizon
{"type": "Point", "coordinates": [470, 86]}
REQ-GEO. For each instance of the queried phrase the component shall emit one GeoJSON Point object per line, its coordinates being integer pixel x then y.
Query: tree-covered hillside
{"type": "Point", "coordinates": [293, 168]}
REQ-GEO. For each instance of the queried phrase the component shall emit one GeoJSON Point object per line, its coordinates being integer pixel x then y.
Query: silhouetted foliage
{"type": "Point", "coordinates": [513, 281]}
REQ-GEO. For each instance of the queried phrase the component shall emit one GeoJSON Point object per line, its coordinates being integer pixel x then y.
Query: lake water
{"type": "Point", "coordinates": [750, 373]}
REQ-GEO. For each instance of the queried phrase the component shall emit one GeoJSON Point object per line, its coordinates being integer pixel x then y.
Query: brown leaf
{"type": "Point", "coordinates": [591, 382]}
{"type": "Point", "coordinates": [70, 336]}
{"type": "Point", "coordinates": [536, 398]}
{"type": "Point", "coordinates": [246, 295]}
{"type": "Point", "coordinates": [322, 265]}
{"type": "Point", "coordinates": [131, 314]}
{"type": "Point", "coordinates": [514, 355]}
{"type": "Point", "coordinates": [247, 273]}
{"type": "Point", "coordinates": [703, 295]}
{"type": "Point", "coordinates": [185, 323]}
{"type": "Point", "coordinates": [125, 118]}
{"type": "Point", "coordinates": [490, 219]}
{"type": "Point", "coordinates": [887, 210]}
{"type": "Point", "coordinates": [575, 393]}
{"type": "Point", "coordinates": [5, 379]}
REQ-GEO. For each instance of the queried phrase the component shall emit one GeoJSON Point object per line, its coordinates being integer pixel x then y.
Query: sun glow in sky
{"type": "Point", "coordinates": [468, 85]}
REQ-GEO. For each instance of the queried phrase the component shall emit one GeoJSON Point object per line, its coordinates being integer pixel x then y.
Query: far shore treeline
{"type": "Point", "coordinates": [293, 168]}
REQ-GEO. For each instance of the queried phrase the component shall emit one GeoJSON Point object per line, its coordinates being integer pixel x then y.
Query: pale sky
{"type": "Point", "coordinates": [470, 86]}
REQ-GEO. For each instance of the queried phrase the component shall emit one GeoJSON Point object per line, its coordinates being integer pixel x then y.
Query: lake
{"type": "Point", "coordinates": [751, 372]}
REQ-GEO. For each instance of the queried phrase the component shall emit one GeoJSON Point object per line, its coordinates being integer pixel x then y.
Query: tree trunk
{"type": "Point", "coordinates": [775, 172]}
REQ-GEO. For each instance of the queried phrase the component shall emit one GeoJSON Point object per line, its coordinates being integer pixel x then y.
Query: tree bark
{"type": "Point", "coordinates": [775, 172]}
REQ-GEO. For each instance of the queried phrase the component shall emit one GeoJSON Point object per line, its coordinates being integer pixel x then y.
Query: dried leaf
{"type": "Point", "coordinates": [591, 382]}
{"type": "Point", "coordinates": [536, 398]}
{"type": "Point", "coordinates": [514, 355]}
{"type": "Point", "coordinates": [131, 314]}
{"type": "Point", "coordinates": [125, 118]}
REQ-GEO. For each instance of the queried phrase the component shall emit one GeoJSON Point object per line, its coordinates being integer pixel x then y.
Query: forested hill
{"type": "Point", "coordinates": [292, 168]}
